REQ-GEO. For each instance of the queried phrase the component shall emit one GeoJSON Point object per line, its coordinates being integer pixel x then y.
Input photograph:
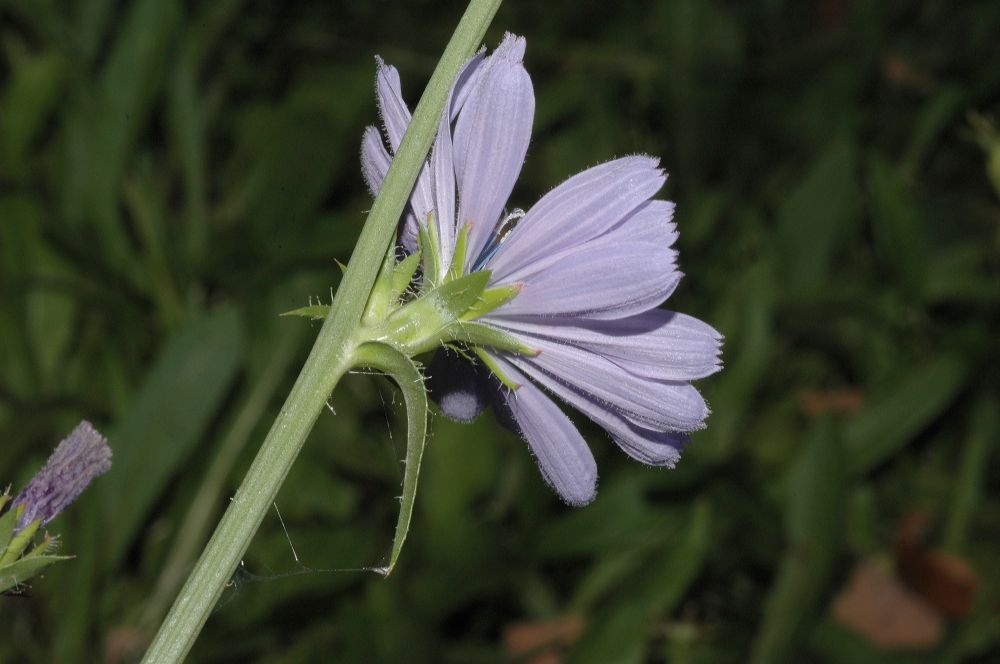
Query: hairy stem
{"type": "Point", "coordinates": [331, 356]}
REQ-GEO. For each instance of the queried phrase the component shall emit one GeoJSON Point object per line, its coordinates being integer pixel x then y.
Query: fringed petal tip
{"type": "Point", "coordinates": [386, 74]}
{"type": "Point", "coordinates": [511, 48]}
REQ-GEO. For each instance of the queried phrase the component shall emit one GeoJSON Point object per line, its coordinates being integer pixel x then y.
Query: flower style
{"type": "Point", "coordinates": [576, 281]}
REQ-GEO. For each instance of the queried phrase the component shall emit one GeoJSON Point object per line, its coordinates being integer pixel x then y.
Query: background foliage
{"type": "Point", "coordinates": [174, 175]}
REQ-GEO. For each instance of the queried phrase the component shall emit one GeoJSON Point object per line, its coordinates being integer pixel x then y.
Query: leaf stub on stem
{"type": "Point", "coordinates": [406, 373]}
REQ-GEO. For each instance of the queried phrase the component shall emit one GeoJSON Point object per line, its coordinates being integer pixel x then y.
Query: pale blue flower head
{"type": "Point", "coordinates": [593, 261]}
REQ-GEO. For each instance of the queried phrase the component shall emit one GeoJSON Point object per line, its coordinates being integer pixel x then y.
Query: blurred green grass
{"type": "Point", "coordinates": [174, 175]}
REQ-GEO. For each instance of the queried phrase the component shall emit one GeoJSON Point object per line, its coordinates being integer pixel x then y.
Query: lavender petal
{"type": "Point", "coordinates": [652, 404]}
{"type": "Point", "coordinates": [442, 170]}
{"type": "Point", "coordinates": [580, 209]}
{"type": "Point", "coordinates": [393, 109]}
{"type": "Point", "coordinates": [649, 446]}
{"type": "Point", "coordinates": [396, 118]}
{"type": "Point", "coordinates": [652, 221]}
{"type": "Point", "coordinates": [561, 452]}
{"type": "Point", "coordinates": [658, 344]}
{"type": "Point", "coordinates": [491, 139]}
{"type": "Point", "coordinates": [375, 162]}
{"type": "Point", "coordinates": [600, 279]}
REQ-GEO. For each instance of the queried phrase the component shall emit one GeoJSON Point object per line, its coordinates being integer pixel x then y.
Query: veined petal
{"type": "Point", "coordinates": [396, 117]}
{"type": "Point", "coordinates": [393, 109]}
{"type": "Point", "coordinates": [596, 280]}
{"type": "Point", "coordinates": [658, 344]}
{"type": "Point", "coordinates": [443, 187]}
{"type": "Point", "coordinates": [491, 139]}
{"type": "Point", "coordinates": [653, 404]}
{"type": "Point", "coordinates": [580, 209]}
{"type": "Point", "coordinates": [562, 453]}
{"type": "Point", "coordinates": [375, 162]}
{"type": "Point", "coordinates": [652, 221]}
{"type": "Point", "coordinates": [442, 165]}
{"type": "Point", "coordinates": [465, 83]}
{"type": "Point", "coordinates": [656, 448]}
{"type": "Point", "coordinates": [456, 387]}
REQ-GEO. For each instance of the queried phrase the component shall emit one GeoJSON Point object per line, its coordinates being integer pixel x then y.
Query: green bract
{"type": "Point", "coordinates": [17, 565]}
{"type": "Point", "coordinates": [439, 314]}
{"type": "Point", "coordinates": [400, 323]}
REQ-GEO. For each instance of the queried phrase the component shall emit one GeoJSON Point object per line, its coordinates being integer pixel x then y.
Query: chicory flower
{"type": "Point", "coordinates": [586, 268]}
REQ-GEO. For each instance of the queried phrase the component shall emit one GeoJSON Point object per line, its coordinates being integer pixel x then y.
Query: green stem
{"type": "Point", "coordinates": [194, 528]}
{"type": "Point", "coordinates": [331, 356]}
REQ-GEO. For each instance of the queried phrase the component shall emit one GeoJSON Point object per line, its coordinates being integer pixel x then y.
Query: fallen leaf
{"type": "Point", "coordinates": [878, 605]}
{"type": "Point", "coordinates": [542, 642]}
{"type": "Point", "coordinates": [943, 579]}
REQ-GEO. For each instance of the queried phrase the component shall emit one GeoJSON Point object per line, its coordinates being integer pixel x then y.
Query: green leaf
{"type": "Point", "coordinates": [7, 523]}
{"type": "Point", "coordinates": [900, 232]}
{"type": "Point", "coordinates": [168, 417]}
{"type": "Point", "coordinates": [670, 578]}
{"type": "Point", "coordinates": [936, 116]}
{"type": "Point", "coordinates": [748, 319]}
{"type": "Point", "coordinates": [17, 573]}
{"type": "Point", "coordinates": [814, 521]}
{"type": "Point", "coordinates": [101, 137]}
{"type": "Point", "coordinates": [971, 481]}
{"type": "Point", "coordinates": [891, 421]}
{"type": "Point", "coordinates": [313, 311]}
{"type": "Point", "coordinates": [31, 94]}
{"type": "Point", "coordinates": [837, 643]}
{"type": "Point", "coordinates": [817, 215]}
{"type": "Point", "coordinates": [618, 637]}
{"type": "Point", "coordinates": [407, 375]}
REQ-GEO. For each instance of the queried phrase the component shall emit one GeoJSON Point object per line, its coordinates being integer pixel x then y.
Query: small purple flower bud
{"type": "Point", "coordinates": [78, 459]}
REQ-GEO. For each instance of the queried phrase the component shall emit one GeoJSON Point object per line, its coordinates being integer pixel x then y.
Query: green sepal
{"type": "Point", "coordinates": [16, 573]}
{"type": "Point", "coordinates": [313, 311]}
{"type": "Point", "coordinates": [8, 521]}
{"type": "Point", "coordinates": [458, 258]}
{"type": "Point", "coordinates": [408, 376]}
{"type": "Point", "coordinates": [495, 369]}
{"type": "Point", "coordinates": [43, 547]}
{"type": "Point", "coordinates": [403, 275]}
{"type": "Point", "coordinates": [491, 299]}
{"type": "Point", "coordinates": [422, 324]}
{"type": "Point", "coordinates": [477, 334]}
{"type": "Point", "coordinates": [19, 542]}
{"type": "Point", "coordinates": [380, 298]}
{"type": "Point", "coordinates": [458, 295]}
{"type": "Point", "coordinates": [427, 241]}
